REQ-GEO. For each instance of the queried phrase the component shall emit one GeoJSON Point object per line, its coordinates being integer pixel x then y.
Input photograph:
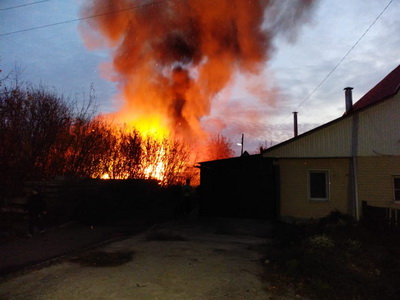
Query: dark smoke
{"type": "Point", "coordinates": [172, 58]}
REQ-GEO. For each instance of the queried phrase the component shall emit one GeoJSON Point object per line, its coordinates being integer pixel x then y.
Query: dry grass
{"type": "Point", "coordinates": [334, 260]}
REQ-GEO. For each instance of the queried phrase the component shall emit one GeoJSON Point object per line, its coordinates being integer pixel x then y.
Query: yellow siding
{"type": "Point", "coordinates": [378, 133]}
{"type": "Point", "coordinates": [329, 141]}
{"type": "Point", "coordinates": [379, 129]}
{"type": "Point", "coordinates": [294, 200]}
{"type": "Point", "coordinates": [375, 179]}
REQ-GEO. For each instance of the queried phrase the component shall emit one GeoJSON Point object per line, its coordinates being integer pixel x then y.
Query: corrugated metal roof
{"type": "Point", "coordinates": [387, 87]}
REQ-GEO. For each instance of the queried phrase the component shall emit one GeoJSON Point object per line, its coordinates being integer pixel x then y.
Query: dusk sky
{"type": "Point", "coordinates": [293, 79]}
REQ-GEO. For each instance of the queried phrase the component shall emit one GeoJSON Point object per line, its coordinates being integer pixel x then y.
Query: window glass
{"type": "Point", "coordinates": [318, 181]}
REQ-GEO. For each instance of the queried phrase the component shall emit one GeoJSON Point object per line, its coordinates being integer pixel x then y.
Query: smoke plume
{"type": "Point", "coordinates": [172, 57]}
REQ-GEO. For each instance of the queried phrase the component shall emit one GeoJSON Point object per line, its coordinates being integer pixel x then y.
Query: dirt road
{"type": "Point", "coordinates": [175, 260]}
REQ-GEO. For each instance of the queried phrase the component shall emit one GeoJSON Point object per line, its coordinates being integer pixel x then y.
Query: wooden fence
{"type": "Point", "coordinates": [380, 216]}
{"type": "Point", "coordinates": [92, 200]}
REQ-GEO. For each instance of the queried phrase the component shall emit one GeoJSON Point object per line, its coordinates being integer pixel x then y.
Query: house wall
{"type": "Point", "coordinates": [294, 199]}
{"type": "Point", "coordinates": [330, 141]}
{"type": "Point", "coordinates": [373, 131]}
{"type": "Point", "coordinates": [375, 180]}
{"type": "Point", "coordinates": [379, 129]}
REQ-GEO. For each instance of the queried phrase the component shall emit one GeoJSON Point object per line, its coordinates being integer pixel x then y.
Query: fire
{"type": "Point", "coordinates": [149, 125]}
{"type": "Point", "coordinates": [156, 169]}
{"type": "Point", "coordinates": [105, 176]}
{"type": "Point", "coordinates": [152, 127]}
{"type": "Point", "coordinates": [172, 58]}
{"type": "Point", "coordinates": [154, 146]}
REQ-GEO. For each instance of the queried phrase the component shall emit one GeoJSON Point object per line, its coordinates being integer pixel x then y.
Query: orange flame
{"type": "Point", "coordinates": [171, 58]}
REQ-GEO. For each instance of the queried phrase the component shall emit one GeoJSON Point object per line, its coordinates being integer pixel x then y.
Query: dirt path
{"type": "Point", "coordinates": [173, 261]}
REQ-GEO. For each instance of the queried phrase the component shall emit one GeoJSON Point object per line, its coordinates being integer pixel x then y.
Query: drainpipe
{"type": "Point", "coordinates": [356, 208]}
{"type": "Point", "coordinates": [354, 154]}
{"type": "Point", "coordinates": [354, 149]}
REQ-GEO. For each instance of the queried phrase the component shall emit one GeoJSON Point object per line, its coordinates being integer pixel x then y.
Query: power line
{"type": "Point", "coordinates": [22, 5]}
{"type": "Point", "coordinates": [83, 18]}
{"type": "Point", "coordinates": [343, 58]}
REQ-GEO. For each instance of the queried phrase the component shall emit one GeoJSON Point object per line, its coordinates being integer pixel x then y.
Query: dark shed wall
{"type": "Point", "coordinates": [238, 187]}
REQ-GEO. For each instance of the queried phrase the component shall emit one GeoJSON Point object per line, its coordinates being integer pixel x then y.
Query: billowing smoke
{"type": "Point", "coordinates": [172, 57]}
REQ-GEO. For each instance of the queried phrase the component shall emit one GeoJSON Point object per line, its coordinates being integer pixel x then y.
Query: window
{"type": "Point", "coordinates": [396, 188]}
{"type": "Point", "coordinates": [318, 185]}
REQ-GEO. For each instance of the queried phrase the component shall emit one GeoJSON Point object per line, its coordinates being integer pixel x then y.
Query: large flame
{"type": "Point", "coordinates": [151, 125]}
{"type": "Point", "coordinates": [171, 58]}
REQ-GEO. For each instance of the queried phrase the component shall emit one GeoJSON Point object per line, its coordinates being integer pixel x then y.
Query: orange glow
{"type": "Point", "coordinates": [156, 169]}
{"type": "Point", "coordinates": [105, 176]}
{"type": "Point", "coordinates": [171, 59]}
{"type": "Point", "coordinates": [149, 126]}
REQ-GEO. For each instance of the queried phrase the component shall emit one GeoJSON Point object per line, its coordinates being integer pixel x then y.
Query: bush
{"type": "Point", "coordinates": [336, 221]}
{"type": "Point", "coordinates": [324, 261]}
{"type": "Point", "coordinates": [287, 235]}
{"type": "Point", "coordinates": [321, 242]}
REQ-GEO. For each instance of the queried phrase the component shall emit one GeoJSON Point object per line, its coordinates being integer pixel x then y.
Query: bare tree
{"type": "Point", "coordinates": [176, 162]}
{"type": "Point", "coordinates": [42, 135]}
{"type": "Point", "coordinates": [86, 109]}
{"type": "Point", "coordinates": [89, 148]}
{"type": "Point", "coordinates": [3, 78]}
{"type": "Point", "coordinates": [32, 122]}
{"type": "Point", "coordinates": [130, 148]}
{"type": "Point", "coordinates": [219, 147]}
{"type": "Point", "coordinates": [13, 76]}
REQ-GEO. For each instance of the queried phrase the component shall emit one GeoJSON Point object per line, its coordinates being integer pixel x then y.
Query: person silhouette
{"type": "Point", "coordinates": [187, 192]}
{"type": "Point", "coordinates": [36, 207]}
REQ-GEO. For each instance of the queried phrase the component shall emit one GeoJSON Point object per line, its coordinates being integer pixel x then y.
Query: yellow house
{"type": "Point", "coordinates": [347, 164]}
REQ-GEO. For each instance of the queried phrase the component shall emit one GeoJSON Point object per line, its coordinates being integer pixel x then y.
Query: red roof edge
{"type": "Point", "coordinates": [387, 87]}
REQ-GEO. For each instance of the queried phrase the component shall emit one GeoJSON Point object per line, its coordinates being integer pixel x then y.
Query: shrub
{"type": "Point", "coordinates": [336, 221]}
{"type": "Point", "coordinates": [335, 259]}
{"type": "Point", "coordinates": [287, 235]}
{"type": "Point", "coordinates": [321, 242]}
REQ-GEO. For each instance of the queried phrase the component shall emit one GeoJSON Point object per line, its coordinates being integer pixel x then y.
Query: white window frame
{"type": "Point", "coordinates": [394, 188]}
{"type": "Point", "coordinates": [327, 184]}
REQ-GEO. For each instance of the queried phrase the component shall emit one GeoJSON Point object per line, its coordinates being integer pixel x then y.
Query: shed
{"type": "Point", "coordinates": [241, 187]}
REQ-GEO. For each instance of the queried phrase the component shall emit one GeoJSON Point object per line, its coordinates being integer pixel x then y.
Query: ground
{"type": "Point", "coordinates": [205, 258]}
{"type": "Point", "coordinates": [173, 260]}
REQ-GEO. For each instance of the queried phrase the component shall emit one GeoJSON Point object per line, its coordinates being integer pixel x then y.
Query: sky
{"type": "Point", "coordinates": [342, 43]}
